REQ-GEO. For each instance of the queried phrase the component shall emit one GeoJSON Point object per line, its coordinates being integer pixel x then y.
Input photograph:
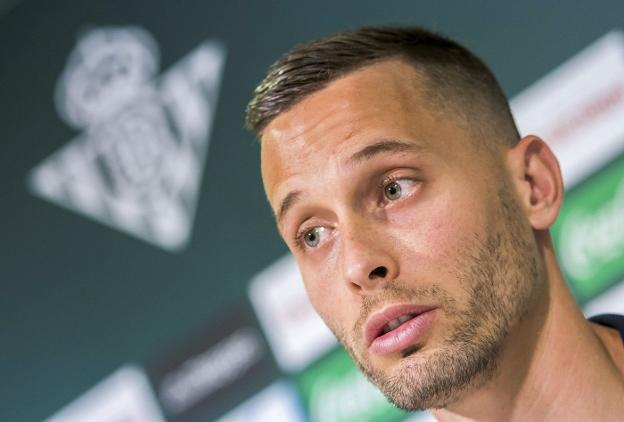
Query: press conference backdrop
{"type": "Point", "coordinates": [142, 277]}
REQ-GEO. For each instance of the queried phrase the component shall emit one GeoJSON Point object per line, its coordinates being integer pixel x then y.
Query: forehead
{"type": "Point", "coordinates": [374, 91]}
{"type": "Point", "coordinates": [386, 100]}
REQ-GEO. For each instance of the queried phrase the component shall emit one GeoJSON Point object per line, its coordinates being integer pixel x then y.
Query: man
{"type": "Point", "coordinates": [419, 220]}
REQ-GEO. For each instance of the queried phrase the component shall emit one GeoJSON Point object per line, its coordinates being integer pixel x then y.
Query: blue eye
{"type": "Point", "coordinates": [392, 191]}
{"type": "Point", "coordinates": [313, 237]}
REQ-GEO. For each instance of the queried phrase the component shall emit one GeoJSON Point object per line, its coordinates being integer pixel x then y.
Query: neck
{"type": "Point", "coordinates": [555, 366]}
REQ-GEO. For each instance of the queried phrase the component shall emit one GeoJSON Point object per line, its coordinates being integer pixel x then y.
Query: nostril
{"type": "Point", "coordinates": [380, 272]}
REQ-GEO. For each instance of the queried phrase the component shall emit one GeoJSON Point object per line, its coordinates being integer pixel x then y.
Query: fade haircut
{"type": "Point", "coordinates": [456, 82]}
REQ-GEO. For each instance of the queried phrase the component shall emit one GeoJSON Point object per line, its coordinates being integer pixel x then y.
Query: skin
{"type": "Point", "coordinates": [468, 234]}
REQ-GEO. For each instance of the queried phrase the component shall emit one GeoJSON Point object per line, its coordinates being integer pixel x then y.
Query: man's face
{"type": "Point", "coordinates": [410, 239]}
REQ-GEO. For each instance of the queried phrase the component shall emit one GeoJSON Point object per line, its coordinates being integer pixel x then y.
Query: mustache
{"type": "Point", "coordinates": [397, 292]}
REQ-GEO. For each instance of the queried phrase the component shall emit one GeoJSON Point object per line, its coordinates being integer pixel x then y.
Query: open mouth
{"type": "Point", "coordinates": [396, 323]}
{"type": "Point", "coordinates": [398, 328]}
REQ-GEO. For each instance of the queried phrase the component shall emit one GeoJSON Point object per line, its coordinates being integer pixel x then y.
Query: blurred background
{"type": "Point", "coordinates": [141, 275]}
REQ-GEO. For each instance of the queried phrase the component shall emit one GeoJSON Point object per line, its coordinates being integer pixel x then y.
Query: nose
{"type": "Point", "coordinates": [367, 260]}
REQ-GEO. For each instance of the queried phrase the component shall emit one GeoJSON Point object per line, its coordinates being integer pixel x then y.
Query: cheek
{"type": "Point", "coordinates": [327, 298]}
{"type": "Point", "coordinates": [433, 234]}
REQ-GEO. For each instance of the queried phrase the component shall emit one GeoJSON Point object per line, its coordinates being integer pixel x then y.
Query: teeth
{"type": "Point", "coordinates": [393, 324]}
{"type": "Point", "coordinates": [405, 318]}
{"type": "Point", "coordinates": [396, 322]}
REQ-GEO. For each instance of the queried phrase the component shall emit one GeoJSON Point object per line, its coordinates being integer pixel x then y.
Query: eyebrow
{"type": "Point", "coordinates": [366, 153]}
{"type": "Point", "coordinates": [287, 203]}
{"type": "Point", "coordinates": [382, 146]}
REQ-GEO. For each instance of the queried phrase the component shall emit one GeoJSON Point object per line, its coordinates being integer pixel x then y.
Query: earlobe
{"type": "Point", "coordinates": [536, 173]}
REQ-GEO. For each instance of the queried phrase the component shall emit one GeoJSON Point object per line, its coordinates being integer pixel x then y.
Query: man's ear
{"type": "Point", "coordinates": [537, 177]}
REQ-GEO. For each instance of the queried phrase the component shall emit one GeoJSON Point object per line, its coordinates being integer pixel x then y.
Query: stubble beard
{"type": "Point", "coordinates": [499, 275]}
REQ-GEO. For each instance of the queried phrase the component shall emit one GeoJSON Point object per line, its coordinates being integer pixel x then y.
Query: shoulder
{"type": "Point", "coordinates": [614, 321]}
{"type": "Point", "coordinates": [610, 330]}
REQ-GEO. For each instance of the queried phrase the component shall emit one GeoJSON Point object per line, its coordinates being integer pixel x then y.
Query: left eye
{"type": "Point", "coordinates": [396, 189]}
{"type": "Point", "coordinates": [393, 190]}
{"type": "Point", "coordinates": [312, 238]}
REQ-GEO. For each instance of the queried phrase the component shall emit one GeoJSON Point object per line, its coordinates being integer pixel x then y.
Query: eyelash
{"type": "Point", "coordinates": [385, 182]}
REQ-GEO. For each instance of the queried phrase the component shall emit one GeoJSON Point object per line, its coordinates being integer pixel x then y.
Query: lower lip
{"type": "Point", "coordinates": [404, 335]}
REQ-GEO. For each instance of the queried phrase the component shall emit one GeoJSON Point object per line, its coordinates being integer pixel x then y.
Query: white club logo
{"type": "Point", "coordinates": [137, 164]}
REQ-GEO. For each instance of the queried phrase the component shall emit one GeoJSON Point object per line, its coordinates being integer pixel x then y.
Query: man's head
{"type": "Point", "coordinates": [455, 81]}
{"type": "Point", "coordinates": [393, 166]}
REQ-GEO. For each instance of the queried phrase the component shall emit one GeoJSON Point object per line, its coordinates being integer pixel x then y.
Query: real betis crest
{"type": "Point", "coordinates": [137, 162]}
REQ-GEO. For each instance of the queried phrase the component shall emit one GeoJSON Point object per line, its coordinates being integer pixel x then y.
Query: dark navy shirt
{"type": "Point", "coordinates": [610, 320]}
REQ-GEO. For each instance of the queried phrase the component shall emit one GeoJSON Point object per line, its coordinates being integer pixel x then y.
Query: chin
{"type": "Point", "coordinates": [427, 377]}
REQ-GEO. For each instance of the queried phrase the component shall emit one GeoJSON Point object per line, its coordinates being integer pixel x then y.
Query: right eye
{"type": "Point", "coordinates": [392, 191]}
{"type": "Point", "coordinates": [312, 237]}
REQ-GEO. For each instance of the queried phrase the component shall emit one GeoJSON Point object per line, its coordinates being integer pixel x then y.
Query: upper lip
{"type": "Point", "coordinates": [376, 321]}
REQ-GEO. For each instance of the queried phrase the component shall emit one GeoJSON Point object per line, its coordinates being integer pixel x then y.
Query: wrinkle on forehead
{"type": "Point", "coordinates": [391, 84]}
{"type": "Point", "coordinates": [307, 117]}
